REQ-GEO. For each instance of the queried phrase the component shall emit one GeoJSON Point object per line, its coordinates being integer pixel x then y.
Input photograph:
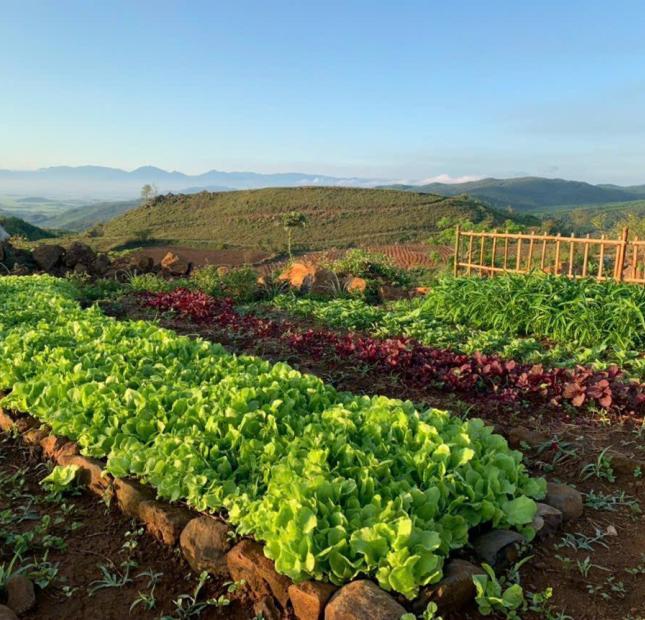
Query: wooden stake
{"type": "Point", "coordinates": [492, 260]}
{"type": "Point", "coordinates": [557, 256]}
{"type": "Point", "coordinates": [543, 257]}
{"type": "Point", "coordinates": [481, 254]}
{"type": "Point", "coordinates": [601, 258]}
{"type": "Point", "coordinates": [585, 259]}
{"type": "Point", "coordinates": [571, 250]}
{"type": "Point", "coordinates": [457, 243]}
{"type": "Point", "coordinates": [470, 254]}
{"type": "Point", "coordinates": [530, 259]}
{"type": "Point", "coordinates": [505, 252]}
{"type": "Point", "coordinates": [621, 254]}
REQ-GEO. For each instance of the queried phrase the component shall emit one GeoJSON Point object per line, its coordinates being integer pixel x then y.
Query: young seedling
{"type": "Point", "coordinates": [600, 468]}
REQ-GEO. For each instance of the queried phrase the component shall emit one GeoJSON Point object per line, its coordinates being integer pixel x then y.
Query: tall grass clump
{"type": "Point", "coordinates": [584, 311]}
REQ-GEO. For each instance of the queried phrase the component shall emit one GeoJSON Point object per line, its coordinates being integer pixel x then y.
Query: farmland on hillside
{"type": "Point", "coordinates": [336, 217]}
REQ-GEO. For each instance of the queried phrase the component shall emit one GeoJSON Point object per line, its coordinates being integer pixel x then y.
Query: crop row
{"type": "Point", "coordinates": [336, 485]}
{"type": "Point", "coordinates": [419, 365]}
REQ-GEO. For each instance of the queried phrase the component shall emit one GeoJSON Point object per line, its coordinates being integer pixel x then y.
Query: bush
{"type": "Point", "coordinates": [240, 284]}
{"type": "Point", "coordinates": [152, 283]}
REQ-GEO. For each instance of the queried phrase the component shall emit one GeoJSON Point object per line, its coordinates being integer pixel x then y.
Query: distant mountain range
{"type": "Point", "coordinates": [98, 182]}
{"type": "Point", "coordinates": [532, 194]}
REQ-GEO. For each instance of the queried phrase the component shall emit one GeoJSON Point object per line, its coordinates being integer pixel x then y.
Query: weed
{"type": "Point", "coordinates": [600, 468]}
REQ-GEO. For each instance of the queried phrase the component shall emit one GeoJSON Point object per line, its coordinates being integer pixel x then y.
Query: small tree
{"type": "Point", "coordinates": [290, 221]}
{"type": "Point", "coordinates": [148, 192]}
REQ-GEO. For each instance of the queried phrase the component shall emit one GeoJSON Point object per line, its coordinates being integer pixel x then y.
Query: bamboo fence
{"type": "Point", "coordinates": [490, 253]}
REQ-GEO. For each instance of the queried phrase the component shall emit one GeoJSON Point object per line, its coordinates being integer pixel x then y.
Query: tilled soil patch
{"type": "Point", "coordinates": [92, 535]}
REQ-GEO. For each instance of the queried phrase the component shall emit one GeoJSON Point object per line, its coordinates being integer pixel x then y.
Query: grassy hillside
{"type": "Point", "coordinates": [337, 217]}
{"type": "Point", "coordinates": [17, 227]}
{"type": "Point", "coordinates": [84, 217]}
{"type": "Point", "coordinates": [604, 218]}
{"type": "Point", "coordinates": [530, 194]}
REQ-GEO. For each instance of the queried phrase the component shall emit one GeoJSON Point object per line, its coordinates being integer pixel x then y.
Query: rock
{"type": "Point", "coordinates": [164, 521]}
{"type": "Point", "coordinates": [80, 269]}
{"type": "Point", "coordinates": [455, 591]}
{"type": "Point", "coordinates": [247, 561]}
{"type": "Point", "coordinates": [309, 598]}
{"type": "Point", "coordinates": [100, 265]}
{"type": "Point", "coordinates": [90, 472]}
{"type": "Point", "coordinates": [499, 548]}
{"type": "Point", "coordinates": [420, 291]}
{"type": "Point", "coordinates": [566, 499]}
{"type": "Point", "coordinates": [7, 614]}
{"type": "Point", "coordinates": [356, 285]}
{"type": "Point", "coordinates": [297, 275]}
{"type": "Point", "coordinates": [55, 447]}
{"type": "Point", "coordinates": [21, 596]}
{"type": "Point", "coordinates": [521, 435]}
{"type": "Point", "coordinates": [48, 257]}
{"type": "Point", "coordinates": [392, 293]}
{"type": "Point", "coordinates": [624, 465]}
{"type": "Point", "coordinates": [174, 265]}
{"type": "Point", "coordinates": [547, 521]}
{"type": "Point", "coordinates": [34, 436]}
{"type": "Point", "coordinates": [143, 264]}
{"type": "Point", "coordinates": [266, 609]}
{"type": "Point", "coordinates": [130, 494]}
{"type": "Point", "coordinates": [79, 254]}
{"type": "Point", "coordinates": [325, 283]}
{"type": "Point", "coordinates": [19, 269]}
{"type": "Point", "coordinates": [204, 543]}
{"type": "Point", "coordinates": [362, 600]}
{"type": "Point", "coordinates": [7, 422]}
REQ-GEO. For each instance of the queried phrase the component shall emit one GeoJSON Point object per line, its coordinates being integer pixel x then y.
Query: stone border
{"type": "Point", "coordinates": [206, 543]}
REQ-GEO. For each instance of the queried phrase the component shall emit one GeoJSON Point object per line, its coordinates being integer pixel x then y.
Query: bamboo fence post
{"type": "Point", "coordinates": [457, 243]}
{"type": "Point", "coordinates": [635, 260]}
{"type": "Point", "coordinates": [571, 251]}
{"type": "Point", "coordinates": [585, 259]}
{"type": "Point", "coordinates": [621, 252]}
{"type": "Point", "coordinates": [470, 254]}
{"type": "Point", "coordinates": [492, 260]}
{"type": "Point", "coordinates": [601, 258]}
{"type": "Point", "coordinates": [557, 256]}
{"type": "Point", "coordinates": [543, 256]}
{"type": "Point", "coordinates": [518, 259]}
{"type": "Point", "coordinates": [530, 258]}
{"type": "Point", "coordinates": [506, 252]}
{"type": "Point", "coordinates": [482, 243]}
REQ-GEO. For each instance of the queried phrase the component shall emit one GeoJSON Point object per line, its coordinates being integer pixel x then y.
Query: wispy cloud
{"type": "Point", "coordinates": [450, 180]}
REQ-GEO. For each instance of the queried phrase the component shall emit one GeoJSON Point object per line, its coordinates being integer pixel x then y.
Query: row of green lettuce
{"type": "Point", "coordinates": [532, 325]}
{"type": "Point", "coordinates": [335, 484]}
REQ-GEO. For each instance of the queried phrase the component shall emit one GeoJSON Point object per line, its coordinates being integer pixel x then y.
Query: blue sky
{"type": "Point", "coordinates": [397, 89]}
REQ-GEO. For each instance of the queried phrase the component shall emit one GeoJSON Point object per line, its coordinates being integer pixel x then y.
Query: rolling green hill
{"type": "Point", "coordinates": [337, 217]}
{"type": "Point", "coordinates": [529, 194]}
{"type": "Point", "coordinates": [84, 217]}
{"type": "Point", "coordinates": [17, 227]}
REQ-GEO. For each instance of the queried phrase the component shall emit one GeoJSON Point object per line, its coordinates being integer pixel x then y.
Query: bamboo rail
{"type": "Point", "coordinates": [623, 258]}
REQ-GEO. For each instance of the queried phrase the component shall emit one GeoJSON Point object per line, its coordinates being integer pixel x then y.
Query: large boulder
{"type": "Point", "coordinates": [101, 265]}
{"type": "Point", "coordinates": [49, 257]}
{"type": "Point", "coordinates": [309, 598]}
{"type": "Point", "coordinates": [79, 254]}
{"type": "Point", "coordinates": [175, 265]}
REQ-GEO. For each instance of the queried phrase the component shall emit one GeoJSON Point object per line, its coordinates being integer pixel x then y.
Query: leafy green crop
{"type": "Point", "coordinates": [60, 478]}
{"type": "Point", "coordinates": [335, 484]}
{"type": "Point", "coordinates": [418, 319]}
